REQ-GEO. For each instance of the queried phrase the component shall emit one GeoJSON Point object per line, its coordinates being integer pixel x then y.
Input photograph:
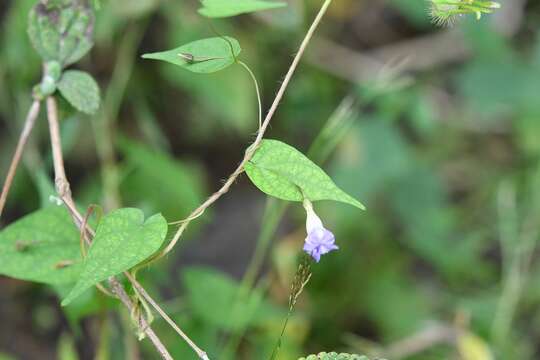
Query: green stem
{"type": "Point", "coordinates": [102, 352]}
{"type": "Point", "coordinates": [231, 47]}
{"type": "Point", "coordinates": [273, 213]}
{"type": "Point", "coordinates": [254, 78]}
{"type": "Point", "coordinates": [278, 345]}
{"type": "Point", "coordinates": [518, 242]}
{"type": "Point", "coordinates": [301, 279]}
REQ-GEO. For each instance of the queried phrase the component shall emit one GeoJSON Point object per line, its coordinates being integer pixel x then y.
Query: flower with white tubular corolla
{"type": "Point", "coordinates": [319, 240]}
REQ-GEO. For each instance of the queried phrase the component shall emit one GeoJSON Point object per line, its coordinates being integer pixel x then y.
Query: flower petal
{"type": "Point", "coordinates": [319, 240]}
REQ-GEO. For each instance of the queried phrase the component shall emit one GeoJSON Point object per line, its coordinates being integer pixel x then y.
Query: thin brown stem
{"type": "Point", "coordinates": [23, 139]}
{"type": "Point", "coordinates": [60, 180]}
{"type": "Point", "coordinates": [118, 289]}
{"type": "Point", "coordinates": [202, 354]}
{"type": "Point", "coordinates": [64, 192]}
{"type": "Point", "coordinates": [251, 149]}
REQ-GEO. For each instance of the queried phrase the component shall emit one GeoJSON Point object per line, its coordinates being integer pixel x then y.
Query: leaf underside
{"type": "Point", "coordinates": [213, 296]}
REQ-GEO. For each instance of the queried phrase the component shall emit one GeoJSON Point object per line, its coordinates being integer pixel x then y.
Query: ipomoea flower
{"type": "Point", "coordinates": [319, 240]}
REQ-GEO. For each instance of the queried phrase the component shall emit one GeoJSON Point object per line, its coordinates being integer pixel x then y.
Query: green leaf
{"type": "Point", "coordinates": [207, 55]}
{"type": "Point", "coordinates": [180, 185]}
{"type": "Point", "coordinates": [61, 32]}
{"type": "Point", "coordinates": [234, 112]}
{"type": "Point", "coordinates": [335, 356]}
{"type": "Point", "coordinates": [40, 246]}
{"type": "Point", "coordinates": [214, 298]}
{"type": "Point", "coordinates": [123, 239]}
{"type": "Point", "coordinates": [280, 170]}
{"type": "Point", "coordinates": [226, 8]}
{"type": "Point", "coordinates": [80, 90]}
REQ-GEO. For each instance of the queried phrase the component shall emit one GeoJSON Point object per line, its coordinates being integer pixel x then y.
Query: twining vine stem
{"type": "Point", "coordinates": [64, 192]}
{"type": "Point", "coordinates": [23, 139]}
{"type": "Point", "coordinates": [118, 289]}
{"type": "Point", "coordinates": [250, 151]}
{"type": "Point", "coordinates": [202, 354]}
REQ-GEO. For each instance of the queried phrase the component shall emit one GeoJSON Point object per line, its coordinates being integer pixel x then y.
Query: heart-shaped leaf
{"type": "Point", "coordinates": [280, 170]}
{"type": "Point", "coordinates": [123, 239]}
{"type": "Point", "coordinates": [226, 8]}
{"type": "Point", "coordinates": [80, 90]}
{"type": "Point", "coordinates": [202, 56]}
{"type": "Point", "coordinates": [41, 247]}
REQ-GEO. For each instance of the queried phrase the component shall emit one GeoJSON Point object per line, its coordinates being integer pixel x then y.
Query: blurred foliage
{"type": "Point", "coordinates": [334, 356]}
{"type": "Point", "coordinates": [445, 159]}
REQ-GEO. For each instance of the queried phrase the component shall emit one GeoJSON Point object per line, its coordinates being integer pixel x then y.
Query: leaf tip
{"type": "Point", "coordinates": [352, 201]}
{"type": "Point", "coordinates": [73, 294]}
{"type": "Point", "coordinates": [66, 301]}
{"type": "Point", "coordinates": [202, 11]}
{"type": "Point", "coordinates": [279, 4]}
{"type": "Point", "coordinates": [152, 56]}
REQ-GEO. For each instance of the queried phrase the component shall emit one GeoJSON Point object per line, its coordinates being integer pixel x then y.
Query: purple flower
{"type": "Point", "coordinates": [319, 240]}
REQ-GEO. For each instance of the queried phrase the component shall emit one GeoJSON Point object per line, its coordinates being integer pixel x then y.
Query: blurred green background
{"type": "Point", "coordinates": [436, 130]}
